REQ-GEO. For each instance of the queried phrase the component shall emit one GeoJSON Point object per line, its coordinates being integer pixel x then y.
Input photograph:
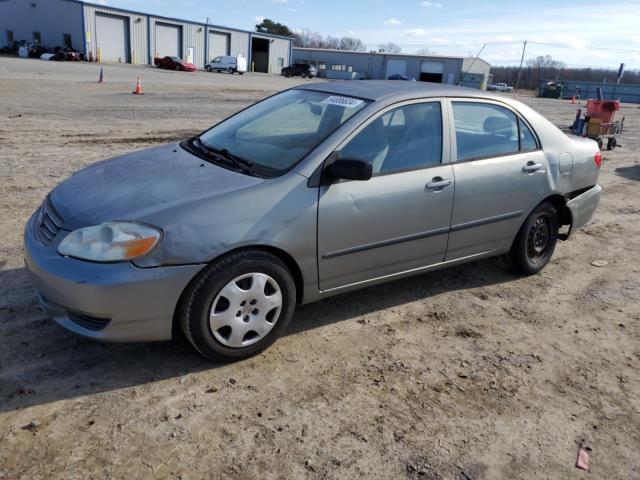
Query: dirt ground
{"type": "Point", "coordinates": [466, 373]}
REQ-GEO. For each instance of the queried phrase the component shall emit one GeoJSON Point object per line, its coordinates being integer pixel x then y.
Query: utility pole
{"type": "Point", "coordinates": [524, 47]}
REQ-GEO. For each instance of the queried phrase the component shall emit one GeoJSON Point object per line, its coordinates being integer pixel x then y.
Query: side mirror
{"type": "Point", "coordinates": [349, 170]}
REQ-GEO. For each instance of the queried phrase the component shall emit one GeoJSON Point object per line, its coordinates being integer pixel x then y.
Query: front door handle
{"type": "Point", "coordinates": [438, 183]}
{"type": "Point", "coordinates": [531, 167]}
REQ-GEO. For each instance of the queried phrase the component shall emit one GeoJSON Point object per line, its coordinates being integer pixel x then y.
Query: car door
{"type": "Point", "coordinates": [500, 173]}
{"type": "Point", "coordinates": [399, 219]}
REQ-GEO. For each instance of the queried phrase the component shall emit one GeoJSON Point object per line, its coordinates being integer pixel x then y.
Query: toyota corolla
{"type": "Point", "coordinates": [314, 191]}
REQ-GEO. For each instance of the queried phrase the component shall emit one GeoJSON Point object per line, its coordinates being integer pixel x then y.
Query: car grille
{"type": "Point", "coordinates": [90, 323]}
{"type": "Point", "coordinates": [48, 223]}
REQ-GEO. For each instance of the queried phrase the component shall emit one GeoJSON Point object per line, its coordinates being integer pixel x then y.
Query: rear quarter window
{"type": "Point", "coordinates": [527, 140]}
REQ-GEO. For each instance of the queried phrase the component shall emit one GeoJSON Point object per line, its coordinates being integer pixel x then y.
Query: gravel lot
{"type": "Point", "coordinates": [467, 373]}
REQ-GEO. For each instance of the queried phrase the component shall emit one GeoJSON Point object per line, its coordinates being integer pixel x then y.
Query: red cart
{"type": "Point", "coordinates": [601, 122]}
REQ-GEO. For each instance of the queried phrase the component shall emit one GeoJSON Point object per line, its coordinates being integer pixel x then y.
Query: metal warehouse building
{"type": "Point", "coordinates": [118, 35]}
{"type": "Point", "coordinates": [343, 64]}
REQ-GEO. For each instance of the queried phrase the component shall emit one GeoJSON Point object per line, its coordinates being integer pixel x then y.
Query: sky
{"type": "Point", "coordinates": [596, 33]}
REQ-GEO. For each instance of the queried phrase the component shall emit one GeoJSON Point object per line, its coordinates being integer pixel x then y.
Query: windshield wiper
{"type": "Point", "coordinates": [223, 153]}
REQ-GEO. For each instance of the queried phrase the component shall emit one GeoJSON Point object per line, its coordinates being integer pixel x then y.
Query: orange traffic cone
{"type": "Point", "coordinates": [138, 90]}
{"type": "Point", "coordinates": [573, 100]}
{"type": "Point", "coordinates": [101, 79]}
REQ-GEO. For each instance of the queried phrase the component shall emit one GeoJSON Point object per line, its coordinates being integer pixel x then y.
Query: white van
{"type": "Point", "coordinates": [228, 64]}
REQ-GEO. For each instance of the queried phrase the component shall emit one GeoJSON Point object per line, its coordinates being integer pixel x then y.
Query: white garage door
{"type": "Point", "coordinates": [168, 40]}
{"type": "Point", "coordinates": [112, 37]}
{"type": "Point", "coordinates": [431, 71]}
{"type": "Point", "coordinates": [396, 67]}
{"type": "Point", "coordinates": [218, 44]}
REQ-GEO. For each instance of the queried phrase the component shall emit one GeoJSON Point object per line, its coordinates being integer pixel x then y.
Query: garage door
{"type": "Point", "coordinates": [112, 37]}
{"type": "Point", "coordinates": [168, 40]}
{"type": "Point", "coordinates": [431, 71]}
{"type": "Point", "coordinates": [218, 44]}
{"type": "Point", "coordinates": [396, 67]}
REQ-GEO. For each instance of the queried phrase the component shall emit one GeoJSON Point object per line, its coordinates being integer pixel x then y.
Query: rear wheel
{"type": "Point", "coordinates": [230, 70]}
{"type": "Point", "coordinates": [239, 306]}
{"type": "Point", "coordinates": [534, 245]}
{"type": "Point", "coordinates": [612, 143]}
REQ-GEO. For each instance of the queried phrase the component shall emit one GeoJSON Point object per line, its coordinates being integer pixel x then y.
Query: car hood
{"type": "Point", "coordinates": [140, 184]}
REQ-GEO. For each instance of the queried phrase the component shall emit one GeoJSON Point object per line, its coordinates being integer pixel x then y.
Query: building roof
{"type": "Point", "coordinates": [396, 90]}
{"type": "Point", "coordinates": [411, 55]}
{"type": "Point", "coordinates": [192, 22]}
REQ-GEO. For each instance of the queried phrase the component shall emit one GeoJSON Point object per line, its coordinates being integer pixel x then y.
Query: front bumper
{"type": "Point", "coordinates": [136, 304]}
{"type": "Point", "coordinates": [583, 207]}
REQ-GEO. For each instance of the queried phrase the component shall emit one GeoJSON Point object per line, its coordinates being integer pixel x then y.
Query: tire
{"type": "Point", "coordinates": [534, 245]}
{"type": "Point", "coordinates": [612, 143]}
{"type": "Point", "coordinates": [230, 70]}
{"type": "Point", "coordinates": [208, 67]}
{"type": "Point", "coordinates": [236, 276]}
{"type": "Point", "coordinates": [599, 141]}
{"type": "Point", "coordinates": [177, 67]}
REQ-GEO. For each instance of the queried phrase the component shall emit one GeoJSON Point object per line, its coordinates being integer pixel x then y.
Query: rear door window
{"type": "Point", "coordinates": [484, 130]}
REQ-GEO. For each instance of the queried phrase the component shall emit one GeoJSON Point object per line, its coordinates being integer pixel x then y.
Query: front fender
{"type": "Point", "coordinates": [280, 213]}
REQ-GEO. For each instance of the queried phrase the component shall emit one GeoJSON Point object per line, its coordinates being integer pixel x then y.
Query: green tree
{"type": "Point", "coordinates": [274, 28]}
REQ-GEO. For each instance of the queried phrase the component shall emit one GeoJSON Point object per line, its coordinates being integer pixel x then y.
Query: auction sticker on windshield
{"type": "Point", "coordinates": [343, 101]}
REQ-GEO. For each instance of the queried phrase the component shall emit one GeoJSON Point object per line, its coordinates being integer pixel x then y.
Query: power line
{"type": "Point", "coordinates": [604, 49]}
{"type": "Point", "coordinates": [510, 42]}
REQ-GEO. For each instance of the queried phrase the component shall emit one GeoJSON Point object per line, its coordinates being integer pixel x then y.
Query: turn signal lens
{"type": "Point", "coordinates": [598, 160]}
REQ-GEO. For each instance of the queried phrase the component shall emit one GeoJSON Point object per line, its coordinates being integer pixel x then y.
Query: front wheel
{"type": "Point", "coordinates": [208, 67]}
{"type": "Point", "coordinates": [534, 245]}
{"type": "Point", "coordinates": [239, 306]}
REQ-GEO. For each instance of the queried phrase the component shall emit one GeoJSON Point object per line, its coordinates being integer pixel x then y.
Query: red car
{"type": "Point", "coordinates": [173, 63]}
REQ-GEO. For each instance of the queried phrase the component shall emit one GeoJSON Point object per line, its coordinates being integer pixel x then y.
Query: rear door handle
{"type": "Point", "coordinates": [438, 183]}
{"type": "Point", "coordinates": [531, 167]}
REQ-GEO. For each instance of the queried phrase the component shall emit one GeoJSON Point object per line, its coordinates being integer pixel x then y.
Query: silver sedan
{"type": "Point", "coordinates": [314, 191]}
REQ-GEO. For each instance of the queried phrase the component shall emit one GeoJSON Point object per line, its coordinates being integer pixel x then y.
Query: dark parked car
{"type": "Point", "coordinates": [300, 69]}
{"type": "Point", "coordinates": [174, 63]}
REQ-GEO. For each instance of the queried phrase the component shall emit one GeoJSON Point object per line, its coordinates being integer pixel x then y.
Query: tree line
{"type": "Point", "coordinates": [543, 67]}
{"type": "Point", "coordinates": [547, 68]}
{"type": "Point", "coordinates": [310, 39]}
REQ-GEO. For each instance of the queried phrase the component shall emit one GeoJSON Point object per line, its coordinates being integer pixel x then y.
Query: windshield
{"type": "Point", "coordinates": [278, 132]}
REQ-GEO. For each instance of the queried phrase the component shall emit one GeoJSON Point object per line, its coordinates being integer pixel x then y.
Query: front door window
{"type": "Point", "coordinates": [405, 138]}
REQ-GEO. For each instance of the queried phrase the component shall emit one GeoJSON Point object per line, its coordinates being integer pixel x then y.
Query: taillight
{"type": "Point", "coordinates": [598, 159]}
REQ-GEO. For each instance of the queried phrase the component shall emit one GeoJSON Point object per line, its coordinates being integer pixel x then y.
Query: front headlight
{"type": "Point", "coordinates": [110, 242]}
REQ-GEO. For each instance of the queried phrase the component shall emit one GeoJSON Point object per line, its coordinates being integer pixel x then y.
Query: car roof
{"type": "Point", "coordinates": [385, 90]}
